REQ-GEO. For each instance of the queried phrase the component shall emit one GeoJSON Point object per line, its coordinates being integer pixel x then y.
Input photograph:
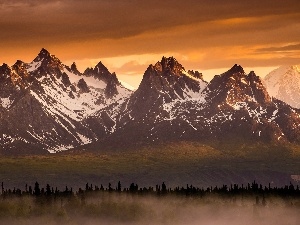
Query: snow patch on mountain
{"type": "Point", "coordinates": [5, 102]}
{"type": "Point", "coordinates": [34, 65]}
{"type": "Point", "coordinates": [126, 85]}
{"type": "Point", "coordinates": [7, 139]}
{"type": "Point", "coordinates": [60, 148]}
{"type": "Point", "coordinates": [283, 83]}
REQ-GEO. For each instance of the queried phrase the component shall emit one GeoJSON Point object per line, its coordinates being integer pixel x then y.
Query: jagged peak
{"type": "Point", "coordinates": [236, 69]}
{"type": "Point", "coordinates": [253, 77]}
{"type": "Point", "coordinates": [168, 67]}
{"type": "Point", "coordinates": [19, 66]}
{"type": "Point", "coordinates": [195, 74]}
{"type": "Point", "coordinates": [5, 66]}
{"type": "Point", "coordinates": [168, 64]}
{"type": "Point", "coordinates": [169, 77]}
{"type": "Point", "coordinates": [74, 68]}
{"type": "Point", "coordinates": [235, 86]}
{"type": "Point", "coordinates": [44, 53]}
{"type": "Point", "coordinates": [4, 70]}
{"type": "Point", "coordinates": [100, 67]}
{"type": "Point", "coordinates": [168, 60]}
{"type": "Point", "coordinates": [100, 72]}
{"type": "Point", "coordinates": [235, 72]}
{"type": "Point", "coordinates": [100, 64]}
{"type": "Point", "coordinates": [82, 85]}
{"type": "Point", "coordinates": [252, 74]}
{"type": "Point", "coordinates": [19, 62]}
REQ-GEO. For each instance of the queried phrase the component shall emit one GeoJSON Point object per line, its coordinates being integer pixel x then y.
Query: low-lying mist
{"type": "Point", "coordinates": [121, 208]}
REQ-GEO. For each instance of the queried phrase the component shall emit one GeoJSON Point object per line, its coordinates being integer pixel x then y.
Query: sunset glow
{"type": "Point", "coordinates": [127, 36]}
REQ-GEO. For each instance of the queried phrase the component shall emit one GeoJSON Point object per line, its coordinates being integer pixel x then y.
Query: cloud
{"type": "Point", "coordinates": [286, 48]}
{"type": "Point", "coordinates": [132, 67]}
{"type": "Point", "coordinates": [26, 5]}
{"type": "Point", "coordinates": [85, 20]}
{"type": "Point", "coordinates": [210, 33]}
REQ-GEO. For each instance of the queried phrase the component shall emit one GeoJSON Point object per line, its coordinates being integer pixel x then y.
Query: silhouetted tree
{"type": "Point", "coordinates": [119, 187]}
{"type": "Point", "coordinates": [48, 190]}
{"type": "Point", "coordinates": [30, 190]}
{"type": "Point", "coordinates": [133, 188]}
{"type": "Point", "coordinates": [163, 188]}
{"type": "Point", "coordinates": [37, 190]}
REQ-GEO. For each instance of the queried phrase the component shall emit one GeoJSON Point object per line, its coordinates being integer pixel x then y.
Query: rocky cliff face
{"type": "Point", "coordinates": [46, 106]}
{"type": "Point", "coordinates": [234, 105]}
{"type": "Point", "coordinates": [44, 103]}
{"type": "Point", "coordinates": [164, 82]}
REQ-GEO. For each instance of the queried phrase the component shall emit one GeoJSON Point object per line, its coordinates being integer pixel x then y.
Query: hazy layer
{"type": "Point", "coordinates": [131, 209]}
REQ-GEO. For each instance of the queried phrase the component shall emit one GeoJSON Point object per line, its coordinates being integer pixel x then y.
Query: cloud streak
{"type": "Point", "coordinates": [210, 33]}
{"type": "Point", "coordinates": [78, 20]}
{"type": "Point", "coordinates": [286, 48]}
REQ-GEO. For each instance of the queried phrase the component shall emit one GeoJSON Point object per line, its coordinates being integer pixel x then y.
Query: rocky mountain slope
{"type": "Point", "coordinates": [284, 83]}
{"type": "Point", "coordinates": [43, 103]}
{"type": "Point", "coordinates": [46, 106]}
{"type": "Point", "coordinates": [234, 105]}
{"type": "Point", "coordinates": [146, 117]}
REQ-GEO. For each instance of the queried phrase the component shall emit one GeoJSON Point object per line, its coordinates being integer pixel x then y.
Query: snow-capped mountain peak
{"type": "Point", "coordinates": [168, 80]}
{"type": "Point", "coordinates": [169, 65]}
{"type": "Point", "coordinates": [43, 59]}
{"type": "Point", "coordinates": [44, 53]}
{"type": "Point", "coordinates": [235, 87]}
{"type": "Point", "coordinates": [236, 69]}
{"type": "Point", "coordinates": [283, 83]}
{"type": "Point", "coordinates": [4, 71]}
{"type": "Point", "coordinates": [60, 95]}
{"type": "Point", "coordinates": [48, 106]}
{"type": "Point", "coordinates": [74, 69]}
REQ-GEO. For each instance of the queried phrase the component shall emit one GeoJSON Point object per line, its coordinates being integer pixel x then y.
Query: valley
{"type": "Point", "coordinates": [176, 164]}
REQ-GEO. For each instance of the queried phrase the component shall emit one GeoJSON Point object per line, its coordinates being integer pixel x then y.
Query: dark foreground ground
{"type": "Point", "coordinates": [178, 164]}
{"type": "Point", "coordinates": [204, 166]}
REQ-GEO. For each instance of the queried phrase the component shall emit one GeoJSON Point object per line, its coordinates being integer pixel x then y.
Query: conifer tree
{"type": "Point", "coordinates": [37, 190]}
{"type": "Point", "coordinates": [119, 186]}
{"type": "Point", "coordinates": [48, 190]}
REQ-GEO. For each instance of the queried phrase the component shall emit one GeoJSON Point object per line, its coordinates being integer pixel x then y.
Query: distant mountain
{"type": "Point", "coordinates": [166, 81]}
{"type": "Point", "coordinates": [144, 118]}
{"type": "Point", "coordinates": [173, 105]}
{"type": "Point", "coordinates": [43, 103]}
{"type": "Point", "coordinates": [283, 83]}
{"type": "Point", "coordinates": [46, 106]}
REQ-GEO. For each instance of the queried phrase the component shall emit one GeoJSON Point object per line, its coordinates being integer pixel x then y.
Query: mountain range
{"type": "Point", "coordinates": [46, 106]}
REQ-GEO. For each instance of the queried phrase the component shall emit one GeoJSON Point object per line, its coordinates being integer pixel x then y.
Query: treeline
{"type": "Point", "coordinates": [159, 190]}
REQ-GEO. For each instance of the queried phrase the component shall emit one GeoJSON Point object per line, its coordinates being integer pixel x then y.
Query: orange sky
{"type": "Point", "coordinates": [128, 35]}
